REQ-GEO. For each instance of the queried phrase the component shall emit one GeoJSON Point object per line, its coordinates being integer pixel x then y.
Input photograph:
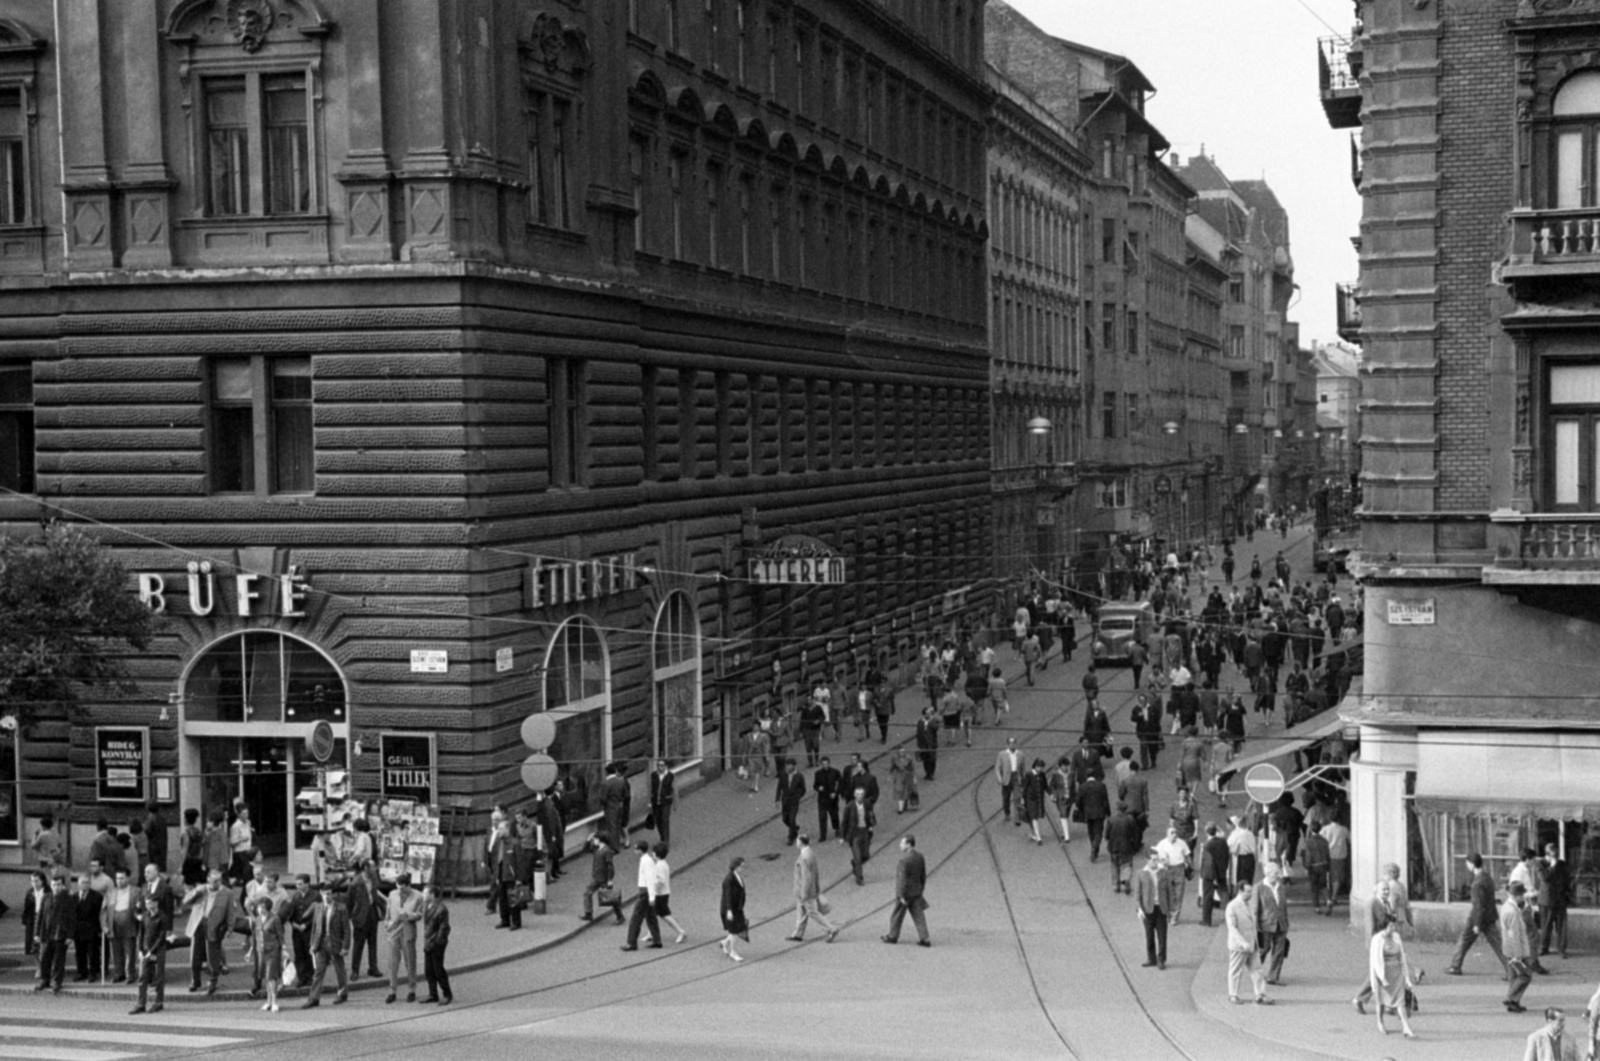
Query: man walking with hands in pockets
{"type": "Point", "coordinates": [910, 879]}
{"type": "Point", "coordinates": [808, 893]}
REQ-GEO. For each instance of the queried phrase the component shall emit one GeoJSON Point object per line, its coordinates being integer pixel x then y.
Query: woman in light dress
{"type": "Point", "coordinates": [1391, 977]}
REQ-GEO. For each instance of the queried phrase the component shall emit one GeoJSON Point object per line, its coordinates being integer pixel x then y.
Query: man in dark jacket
{"type": "Point", "coordinates": [1097, 728]}
{"type": "Point", "coordinates": [910, 880]}
{"type": "Point", "coordinates": [927, 743]}
{"type": "Point", "coordinates": [1123, 840]}
{"type": "Point", "coordinates": [791, 790]}
{"type": "Point", "coordinates": [296, 915]}
{"type": "Point", "coordinates": [602, 874]}
{"type": "Point", "coordinates": [858, 774]}
{"type": "Point", "coordinates": [106, 850]}
{"type": "Point", "coordinates": [365, 912]}
{"type": "Point", "coordinates": [825, 783]}
{"type": "Point", "coordinates": [1555, 895]}
{"type": "Point", "coordinates": [1134, 790]}
{"type": "Point", "coordinates": [220, 912]}
{"type": "Point", "coordinates": [435, 938]}
{"type": "Point", "coordinates": [614, 800]}
{"type": "Point", "coordinates": [856, 829]}
{"type": "Point", "coordinates": [1214, 873]}
{"type": "Point", "coordinates": [1483, 920]}
{"type": "Point", "coordinates": [55, 928]}
{"type": "Point", "coordinates": [327, 936]}
{"type": "Point", "coordinates": [86, 933]}
{"type": "Point", "coordinates": [662, 796]}
{"type": "Point", "coordinates": [1094, 803]}
{"type": "Point", "coordinates": [154, 926]}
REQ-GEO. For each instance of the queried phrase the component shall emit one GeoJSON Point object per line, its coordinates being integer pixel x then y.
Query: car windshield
{"type": "Point", "coordinates": [1118, 625]}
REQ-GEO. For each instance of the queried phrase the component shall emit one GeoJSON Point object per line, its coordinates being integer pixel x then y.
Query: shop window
{"type": "Point", "coordinates": [1113, 493]}
{"type": "Point", "coordinates": [1577, 119]}
{"type": "Point", "coordinates": [262, 436]}
{"type": "Point", "coordinates": [1441, 842]}
{"type": "Point", "coordinates": [676, 679]}
{"type": "Point", "coordinates": [264, 677]}
{"type": "Point", "coordinates": [257, 144]}
{"type": "Point", "coordinates": [577, 695]}
{"type": "Point", "coordinates": [566, 390]}
{"type": "Point", "coordinates": [16, 428]}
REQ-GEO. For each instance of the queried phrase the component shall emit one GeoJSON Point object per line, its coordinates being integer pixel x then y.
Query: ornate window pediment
{"type": "Point", "coordinates": [559, 48]}
{"type": "Point", "coordinates": [250, 25]}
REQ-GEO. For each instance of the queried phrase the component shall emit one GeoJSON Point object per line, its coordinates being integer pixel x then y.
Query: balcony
{"type": "Point", "coordinates": [1349, 313]}
{"type": "Point", "coordinates": [1338, 75]}
{"type": "Point", "coordinates": [1544, 549]}
{"type": "Point", "coordinates": [1553, 243]}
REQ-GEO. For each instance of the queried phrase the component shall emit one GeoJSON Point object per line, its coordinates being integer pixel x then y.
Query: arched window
{"type": "Point", "coordinates": [262, 676]}
{"type": "Point", "coordinates": [1577, 117]}
{"type": "Point", "coordinates": [577, 692]}
{"type": "Point", "coordinates": [675, 672]}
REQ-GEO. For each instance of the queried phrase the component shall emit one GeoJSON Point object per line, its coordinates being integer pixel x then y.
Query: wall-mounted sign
{"type": "Point", "coordinates": [121, 763]}
{"type": "Point", "coordinates": [503, 659]}
{"type": "Point", "coordinates": [1411, 612]}
{"type": "Point", "coordinates": [553, 582]}
{"type": "Point", "coordinates": [797, 559]}
{"type": "Point", "coordinates": [430, 661]}
{"type": "Point", "coordinates": [408, 766]}
{"type": "Point", "coordinates": [954, 600]}
{"type": "Point", "coordinates": [251, 593]}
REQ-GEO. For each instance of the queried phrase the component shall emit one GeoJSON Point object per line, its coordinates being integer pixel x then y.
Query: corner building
{"type": "Point", "coordinates": [1480, 384]}
{"type": "Point", "coordinates": [441, 363]}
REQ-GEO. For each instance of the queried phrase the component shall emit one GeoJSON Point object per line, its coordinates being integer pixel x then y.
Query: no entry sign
{"type": "Point", "coordinates": [1263, 783]}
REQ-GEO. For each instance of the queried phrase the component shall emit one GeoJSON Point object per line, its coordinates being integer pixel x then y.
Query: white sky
{"type": "Point", "coordinates": [1240, 78]}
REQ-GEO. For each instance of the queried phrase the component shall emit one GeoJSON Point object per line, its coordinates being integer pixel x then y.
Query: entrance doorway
{"type": "Point", "coordinates": [249, 703]}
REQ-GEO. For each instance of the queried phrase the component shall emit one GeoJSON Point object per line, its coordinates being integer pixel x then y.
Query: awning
{"type": "Point", "coordinates": [1306, 733]}
{"type": "Point", "coordinates": [1542, 774]}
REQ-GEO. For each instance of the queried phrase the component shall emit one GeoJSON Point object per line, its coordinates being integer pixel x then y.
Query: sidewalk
{"type": "Point", "coordinates": [706, 819]}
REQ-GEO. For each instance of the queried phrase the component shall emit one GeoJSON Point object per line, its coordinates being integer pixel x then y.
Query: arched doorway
{"type": "Point", "coordinates": [675, 680]}
{"type": "Point", "coordinates": [249, 702]}
{"type": "Point", "coordinates": [577, 692]}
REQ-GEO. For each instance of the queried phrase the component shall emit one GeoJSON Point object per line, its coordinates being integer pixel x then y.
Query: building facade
{"type": "Point", "coordinates": [1036, 171]}
{"type": "Point", "coordinates": [442, 364]}
{"type": "Point", "coordinates": [1477, 291]}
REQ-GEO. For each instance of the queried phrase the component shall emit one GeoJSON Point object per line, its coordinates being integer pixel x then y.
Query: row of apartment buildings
{"type": "Point", "coordinates": [1478, 382]}
{"type": "Point", "coordinates": [433, 365]}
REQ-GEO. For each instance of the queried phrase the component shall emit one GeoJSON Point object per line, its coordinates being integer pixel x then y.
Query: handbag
{"type": "Point", "coordinates": [520, 896]}
{"type": "Point", "coordinates": [823, 905]}
{"type": "Point", "coordinates": [291, 975]}
{"type": "Point", "coordinates": [608, 897]}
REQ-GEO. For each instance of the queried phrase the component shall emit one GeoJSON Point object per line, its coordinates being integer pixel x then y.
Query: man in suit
{"type": "Point", "coordinates": [1135, 792]}
{"type": "Point", "coordinates": [327, 933]}
{"type": "Point", "coordinates": [1213, 872]}
{"type": "Point", "coordinates": [86, 935]}
{"type": "Point", "coordinates": [825, 783]}
{"type": "Point", "coordinates": [32, 903]}
{"type": "Point", "coordinates": [614, 800]}
{"type": "Point", "coordinates": [661, 797]}
{"type": "Point", "coordinates": [1094, 802]}
{"type": "Point", "coordinates": [402, 916]}
{"type": "Point", "coordinates": [927, 742]}
{"type": "Point", "coordinates": [602, 874]}
{"type": "Point", "coordinates": [509, 860]}
{"type": "Point", "coordinates": [1153, 892]}
{"type": "Point", "coordinates": [155, 924]}
{"type": "Point", "coordinates": [105, 849]}
{"type": "Point", "coordinates": [435, 939]}
{"type": "Point", "coordinates": [1123, 839]}
{"type": "Point", "coordinates": [1272, 922]}
{"type": "Point", "coordinates": [910, 878]}
{"type": "Point", "coordinates": [1555, 895]}
{"type": "Point", "coordinates": [55, 928]}
{"type": "Point", "coordinates": [1483, 919]}
{"type": "Point", "coordinates": [1518, 945]}
{"type": "Point", "coordinates": [219, 908]}
{"type": "Point", "coordinates": [365, 913]}
{"type": "Point", "coordinates": [859, 775]}
{"type": "Point", "coordinates": [856, 829]}
{"type": "Point", "coordinates": [119, 920]}
{"type": "Point", "coordinates": [1241, 921]}
{"type": "Point", "coordinates": [791, 790]}
{"type": "Point", "coordinates": [296, 914]}
{"type": "Point", "coordinates": [807, 894]}
{"type": "Point", "coordinates": [1008, 771]}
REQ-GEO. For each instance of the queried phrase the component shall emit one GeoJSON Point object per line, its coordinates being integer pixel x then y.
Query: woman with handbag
{"type": "Point", "coordinates": [1391, 977]}
{"type": "Point", "coordinates": [733, 919]}
{"type": "Point", "coordinates": [267, 935]}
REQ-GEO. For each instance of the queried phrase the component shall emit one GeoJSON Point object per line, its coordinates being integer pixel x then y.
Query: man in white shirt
{"type": "Point", "coordinates": [1338, 838]}
{"type": "Point", "coordinates": [1175, 850]}
{"type": "Point", "coordinates": [1008, 771]}
{"type": "Point", "coordinates": [644, 908]}
{"type": "Point", "coordinates": [1241, 921]}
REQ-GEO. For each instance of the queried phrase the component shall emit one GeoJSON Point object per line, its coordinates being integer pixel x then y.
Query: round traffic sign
{"type": "Point", "coordinates": [539, 731]}
{"type": "Point", "coordinates": [538, 771]}
{"type": "Point", "coordinates": [320, 743]}
{"type": "Point", "coordinates": [1263, 783]}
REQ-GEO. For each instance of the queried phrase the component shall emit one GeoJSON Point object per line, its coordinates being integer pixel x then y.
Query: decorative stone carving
{"type": "Point", "coordinates": [562, 49]}
{"type": "Point", "coordinates": [248, 24]}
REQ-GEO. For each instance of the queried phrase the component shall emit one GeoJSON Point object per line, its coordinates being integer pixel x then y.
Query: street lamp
{"type": "Point", "coordinates": [1170, 427]}
{"type": "Point", "coordinates": [1039, 425]}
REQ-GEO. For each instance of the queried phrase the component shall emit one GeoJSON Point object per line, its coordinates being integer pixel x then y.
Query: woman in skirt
{"type": "Point", "coordinates": [267, 935]}
{"type": "Point", "coordinates": [663, 903]}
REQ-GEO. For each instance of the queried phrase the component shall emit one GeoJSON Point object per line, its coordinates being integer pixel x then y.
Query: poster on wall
{"type": "Point", "coordinates": [10, 781]}
{"type": "Point", "coordinates": [122, 763]}
{"type": "Point", "coordinates": [408, 766]}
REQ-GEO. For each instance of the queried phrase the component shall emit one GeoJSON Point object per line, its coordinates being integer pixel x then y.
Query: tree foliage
{"type": "Point", "coordinates": [66, 614]}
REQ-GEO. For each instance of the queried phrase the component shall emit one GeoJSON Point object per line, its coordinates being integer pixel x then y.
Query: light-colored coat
{"type": "Point", "coordinates": [1241, 925]}
{"type": "Point", "coordinates": [1514, 931]}
{"type": "Point", "coordinates": [807, 877]}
